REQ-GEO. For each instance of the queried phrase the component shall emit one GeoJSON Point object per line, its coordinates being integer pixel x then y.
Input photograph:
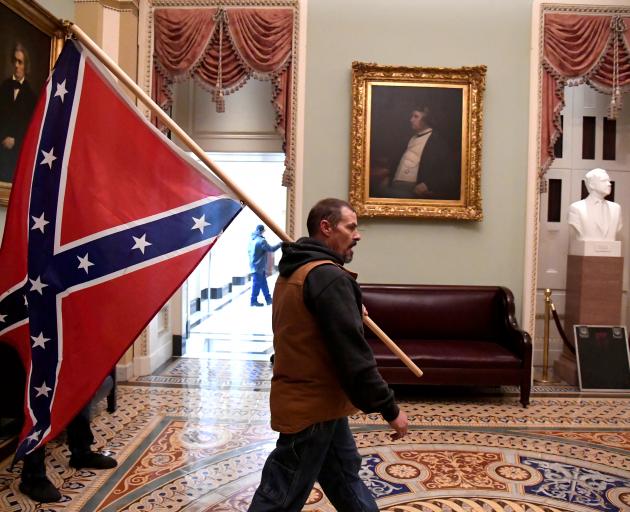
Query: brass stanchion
{"type": "Point", "coordinates": [545, 369]}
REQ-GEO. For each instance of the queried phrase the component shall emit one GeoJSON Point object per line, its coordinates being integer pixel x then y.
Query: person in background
{"type": "Point", "coordinates": [258, 249]}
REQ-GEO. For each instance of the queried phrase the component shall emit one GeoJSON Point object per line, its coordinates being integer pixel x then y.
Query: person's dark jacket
{"type": "Point", "coordinates": [257, 250]}
{"type": "Point", "coordinates": [334, 298]}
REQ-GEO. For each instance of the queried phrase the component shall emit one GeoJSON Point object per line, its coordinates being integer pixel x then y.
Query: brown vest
{"type": "Point", "coordinates": [305, 388]}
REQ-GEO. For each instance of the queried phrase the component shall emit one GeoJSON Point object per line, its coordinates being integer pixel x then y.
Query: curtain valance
{"type": "Point", "coordinates": [578, 49]}
{"type": "Point", "coordinates": [223, 48]}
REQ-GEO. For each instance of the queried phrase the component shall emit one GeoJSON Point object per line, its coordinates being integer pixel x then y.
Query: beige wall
{"type": "Point", "coordinates": [447, 33]}
{"type": "Point", "coordinates": [63, 9]}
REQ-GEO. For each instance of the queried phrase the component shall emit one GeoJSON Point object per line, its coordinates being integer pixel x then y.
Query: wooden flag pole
{"type": "Point", "coordinates": [391, 345]}
{"type": "Point", "coordinates": [196, 149]}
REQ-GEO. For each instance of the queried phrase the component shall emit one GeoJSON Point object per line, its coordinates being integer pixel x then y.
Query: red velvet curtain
{"type": "Point", "coordinates": [223, 48]}
{"type": "Point", "coordinates": [579, 49]}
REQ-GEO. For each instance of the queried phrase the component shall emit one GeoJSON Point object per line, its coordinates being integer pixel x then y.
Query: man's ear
{"type": "Point", "coordinates": [325, 227]}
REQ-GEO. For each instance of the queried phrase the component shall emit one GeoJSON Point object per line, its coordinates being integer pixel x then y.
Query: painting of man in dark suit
{"type": "Point", "coordinates": [17, 101]}
{"type": "Point", "coordinates": [415, 144]}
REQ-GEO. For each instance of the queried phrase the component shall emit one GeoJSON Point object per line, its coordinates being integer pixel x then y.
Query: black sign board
{"type": "Point", "coordinates": [602, 357]}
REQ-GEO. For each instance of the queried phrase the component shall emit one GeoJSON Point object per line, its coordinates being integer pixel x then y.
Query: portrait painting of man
{"type": "Point", "coordinates": [415, 142]}
{"type": "Point", "coordinates": [24, 66]}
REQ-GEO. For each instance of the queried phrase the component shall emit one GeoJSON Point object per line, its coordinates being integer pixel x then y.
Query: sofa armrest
{"type": "Point", "coordinates": [515, 338]}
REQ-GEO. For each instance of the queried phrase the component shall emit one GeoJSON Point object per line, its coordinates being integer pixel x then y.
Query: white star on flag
{"type": "Point", "coordinates": [2, 317]}
{"type": "Point", "coordinates": [42, 390]}
{"type": "Point", "coordinates": [40, 222]}
{"type": "Point", "coordinates": [85, 263]}
{"type": "Point", "coordinates": [61, 90]}
{"type": "Point", "coordinates": [40, 341]}
{"type": "Point", "coordinates": [141, 243]}
{"type": "Point", "coordinates": [37, 285]}
{"type": "Point", "coordinates": [25, 301]}
{"type": "Point", "coordinates": [34, 436]}
{"type": "Point", "coordinates": [200, 223]}
{"type": "Point", "coordinates": [49, 158]}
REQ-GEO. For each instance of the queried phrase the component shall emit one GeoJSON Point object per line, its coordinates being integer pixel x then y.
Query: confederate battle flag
{"type": "Point", "coordinates": [106, 219]}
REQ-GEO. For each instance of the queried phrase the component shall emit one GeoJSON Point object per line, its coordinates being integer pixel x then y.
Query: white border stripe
{"type": "Point", "coordinates": [63, 178]}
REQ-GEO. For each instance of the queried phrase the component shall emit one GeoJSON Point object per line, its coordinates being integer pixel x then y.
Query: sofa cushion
{"type": "Point", "coordinates": [448, 354]}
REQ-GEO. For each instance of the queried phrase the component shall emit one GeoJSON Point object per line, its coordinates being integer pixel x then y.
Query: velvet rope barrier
{"type": "Point", "coordinates": [556, 320]}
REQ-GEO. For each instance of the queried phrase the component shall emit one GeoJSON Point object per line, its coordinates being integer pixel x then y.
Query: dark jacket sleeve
{"type": "Point", "coordinates": [334, 298]}
{"type": "Point", "coordinates": [265, 247]}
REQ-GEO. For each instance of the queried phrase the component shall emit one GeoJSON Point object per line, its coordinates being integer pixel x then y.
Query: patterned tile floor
{"type": "Point", "coordinates": [194, 436]}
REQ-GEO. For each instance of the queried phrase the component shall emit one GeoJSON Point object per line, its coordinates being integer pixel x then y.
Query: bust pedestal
{"type": "Point", "coordinates": [594, 279]}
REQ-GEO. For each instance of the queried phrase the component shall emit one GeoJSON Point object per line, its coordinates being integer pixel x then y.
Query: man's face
{"type": "Point", "coordinates": [600, 184]}
{"type": "Point", "coordinates": [417, 120]}
{"type": "Point", "coordinates": [18, 65]}
{"type": "Point", "coordinates": [345, 235]}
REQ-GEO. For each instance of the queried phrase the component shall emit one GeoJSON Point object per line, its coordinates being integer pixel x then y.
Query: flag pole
{"type": "Point", "coordinates": [199, 152]}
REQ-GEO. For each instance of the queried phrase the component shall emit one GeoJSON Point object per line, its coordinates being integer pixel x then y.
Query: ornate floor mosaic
{"type": "Point", "coordinates": [194, 437]}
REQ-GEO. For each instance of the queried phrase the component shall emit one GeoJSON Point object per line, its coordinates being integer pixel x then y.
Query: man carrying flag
{"type": "Point", "coordinates": [106, 219]}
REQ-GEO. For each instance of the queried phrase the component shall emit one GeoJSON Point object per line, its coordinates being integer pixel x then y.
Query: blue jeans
{"type": "Point", "coordinates": [324, 452]}
{"type": "Point", "coordinates": [260, 284]}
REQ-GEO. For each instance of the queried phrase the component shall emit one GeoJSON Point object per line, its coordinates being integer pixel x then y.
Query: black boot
{"type": "Point", "coordinates": [34, 482]}
{"type": "Point", "coordinates": [80, 438]}
{"type": "Point", "coordinates": [40, 490]}
{"type": "Point", "coordinates": [92, 460]}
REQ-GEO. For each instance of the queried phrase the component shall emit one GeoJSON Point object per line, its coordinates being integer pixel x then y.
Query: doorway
{"type": "Point", "coordinates": [220, 323]}
{"type": "Point", "coordinates": [589, 139]}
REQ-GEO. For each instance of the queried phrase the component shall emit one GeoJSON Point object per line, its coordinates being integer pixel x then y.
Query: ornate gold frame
{"type": "Point", "coordinates": [44, 21]}
{"type": "Point", "coordinates": [471, 82]}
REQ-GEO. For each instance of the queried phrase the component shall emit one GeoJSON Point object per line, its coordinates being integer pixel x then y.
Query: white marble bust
{"type": "Point", "coordinates": [594, 218]}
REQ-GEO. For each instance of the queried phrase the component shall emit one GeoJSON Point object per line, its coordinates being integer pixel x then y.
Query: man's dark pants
{"type": "Point", "coordinates": [324, 452]}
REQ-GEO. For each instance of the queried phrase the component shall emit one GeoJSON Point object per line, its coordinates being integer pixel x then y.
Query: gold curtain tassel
{"type": "Point", "coordinates": [617, 27]}
{"type": "Point", "coordinates": [221, 18]}
{"type": "Point", "coordinates": [219, 101]}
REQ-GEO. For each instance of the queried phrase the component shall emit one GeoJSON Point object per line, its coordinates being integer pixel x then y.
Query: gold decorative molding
{"type": "Point", "coordinates": [143, 341]}
{"type": "Point", "coordinates": [605, 10]}
{"type": "Point", "coordinates": [224, 3]}
{"type": "Point", "coordinates": [164, 319]}
{"type": "Point", "coordinates": [114, 5]}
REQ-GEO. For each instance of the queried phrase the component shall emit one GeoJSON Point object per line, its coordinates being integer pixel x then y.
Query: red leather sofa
{"type": "Point", "coordinates": [457, 335]}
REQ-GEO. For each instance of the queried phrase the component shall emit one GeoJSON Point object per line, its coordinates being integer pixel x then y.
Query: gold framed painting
{"type": "Point", "coordinates": [30, 42]}
{"type": "Point", "coordinates": [416, 141]}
